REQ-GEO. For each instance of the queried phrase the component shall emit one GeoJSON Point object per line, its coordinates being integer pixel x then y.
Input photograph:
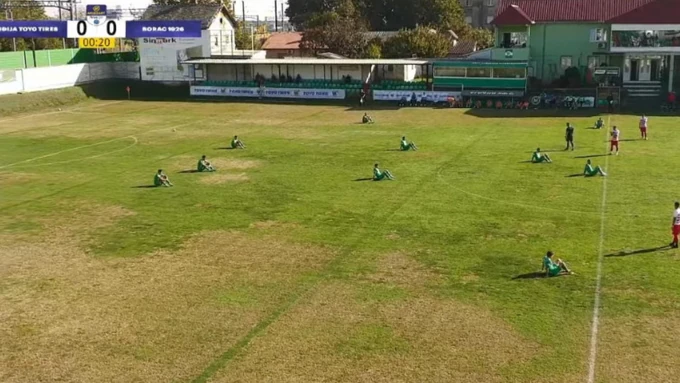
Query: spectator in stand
{"type": "Point", "coordinates": [671, 100]}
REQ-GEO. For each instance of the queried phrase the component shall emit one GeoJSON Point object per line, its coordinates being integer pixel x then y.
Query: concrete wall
{"type": "Point", "coordinates": [64, 76]}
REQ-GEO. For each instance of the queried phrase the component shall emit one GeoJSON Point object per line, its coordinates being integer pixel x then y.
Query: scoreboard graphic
{"type": "Point", "coordinates": [97, 26]}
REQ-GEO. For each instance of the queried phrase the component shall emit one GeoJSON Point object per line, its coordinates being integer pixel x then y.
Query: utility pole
{"type": "Point", "coordinates": [276, 16]}
{"type": "Point", "coordinates": [283, 24]}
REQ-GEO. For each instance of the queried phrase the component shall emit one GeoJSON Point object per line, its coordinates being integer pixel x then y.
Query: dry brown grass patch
{"type": "Point", "coordinates": [67, 316]}
{"type": "Point", "coordinates": [640, 349]}
{"type": "Point", "coordinates": [12, 178]}
{"type": "Point", "coordinates": [221, 178]}
{"type": "Point", "coordinates": [399, 269]}
{"type": "Point", "coordinates": [329, 336]}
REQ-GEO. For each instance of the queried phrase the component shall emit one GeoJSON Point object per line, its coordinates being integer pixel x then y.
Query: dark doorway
{"type": "Point", "coordinates": [634, 70]}
{"type": "Point", "coordinates": [655, 70]}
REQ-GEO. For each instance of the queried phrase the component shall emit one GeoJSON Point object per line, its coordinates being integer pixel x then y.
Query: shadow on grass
{"type": "Point", "coordinates": [630, 140]}
{"type": "Point", "coordinates": [635, 252]}
{"type": "Point", "coordinates": [592, 156]}
{"type": "Point", "coordinates": [225, 148]}
{"type": "Point", "coordinates": [594, 128]}
{"type": "Point", "coordinates": [395, 150]}
{"type": "Point", "coordinates": [188, 171]}
{"type": "Point", "coordinates": [574, 175]}
{"type": "Point", "coordinates": [363, 179]}
{"type": "Point", "coordinates": [534, 275]}
{"type": "Point", "coordinates": [144, 187]}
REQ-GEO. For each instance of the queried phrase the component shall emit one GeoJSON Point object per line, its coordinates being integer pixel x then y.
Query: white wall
{"type": "Point", "coordinates": [221, 33]}
{"type": "Point", "coordinates": [160, 58]}
{"type": "Point", "coordinates": [64, 76]}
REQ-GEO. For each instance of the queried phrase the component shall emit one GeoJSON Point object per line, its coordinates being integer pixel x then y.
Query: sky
{"type": "Point", "coordinates": [263, 8]}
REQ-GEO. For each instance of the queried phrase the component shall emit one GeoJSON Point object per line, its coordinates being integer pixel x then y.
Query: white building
{"type": "Point", "coordinates": [161, 59]}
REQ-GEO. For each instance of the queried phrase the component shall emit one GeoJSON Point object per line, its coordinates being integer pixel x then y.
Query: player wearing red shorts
{"type": "Point", "coordinates": [643, 127]}
{"type": "Point", "coordinates": [616, 133]}
{"type": "Point", "coordinates": [676, 225]}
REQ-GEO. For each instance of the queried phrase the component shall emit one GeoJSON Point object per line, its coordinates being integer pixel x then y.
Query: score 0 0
{"type": "Point", "coordinates": [109, 28]}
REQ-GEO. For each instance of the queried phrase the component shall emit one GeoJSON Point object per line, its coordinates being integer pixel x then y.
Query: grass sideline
{"type": "Point", "coordinates": [282, 267]}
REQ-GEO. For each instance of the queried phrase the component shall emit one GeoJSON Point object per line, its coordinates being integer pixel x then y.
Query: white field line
{"type": "Point", "coordinates": [595, 324]}
{"type": "Point", "coordinates": [133, 136]}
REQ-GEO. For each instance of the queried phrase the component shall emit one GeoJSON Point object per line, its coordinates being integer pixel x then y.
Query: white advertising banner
{"type": "Point", "coordinates": [408, 95]}
{"type": "Point", "coordinates": [306, 94]}
{"type": "Point", "coordinates": [218, 91]}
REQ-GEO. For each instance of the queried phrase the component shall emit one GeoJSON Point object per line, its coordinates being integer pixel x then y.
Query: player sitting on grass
{"type": "Point", "coordinates": [237, 144]}
{"type": "Point", "coordinates": [539, 157]}
{"type": "Point", "coordinates": [160, 179]}
{"type": "Point", "coordinates": [379, 175]}
{"type": "Point", "coordinates": [553, 268]}
{"type": "Point", "coordinates": [589, 171]}
{"type": "Point", "coordinates": [366, 119]}
{"type": "Point", "coordinates": [599, 123]}
{"type": "Point", "coordinates": [204, 165]}
{"type": "Point", "coordinates": [405, 145]}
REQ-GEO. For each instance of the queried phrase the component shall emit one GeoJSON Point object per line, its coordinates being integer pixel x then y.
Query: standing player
{"type": "Point", "coordinates": [676, 225]}
{"type": "Point", "coordinates": [569, 136]}
{"type": "Point", "coordinates": [616, 134]}
{"type": "Point", "coordinates": [643, 127]}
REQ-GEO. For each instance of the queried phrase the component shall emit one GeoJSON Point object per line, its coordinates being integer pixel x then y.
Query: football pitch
{"type": "Point", "coordinates": [288, 264]}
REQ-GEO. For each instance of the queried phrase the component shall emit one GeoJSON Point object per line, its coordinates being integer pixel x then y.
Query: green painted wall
{"type": "Point", "coordinates": [484, 83]}
{"type": "Point", "coordinates": [27, 59]}
{"type": "Point", "coordinates": [548, 43]}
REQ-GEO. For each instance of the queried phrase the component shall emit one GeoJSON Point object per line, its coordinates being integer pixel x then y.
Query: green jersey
{"type": "Point", "coordinates": [158, 180]}
{"type": "Point", "coordinates": [405, 145]}
{"type": "Point", "coordinates": [377, 173]}
{"type": "Point", "coordinates": [536, 157]}
{"type": "Point", "coordinates": [234, 144]}
{"type": "Point", "coordinates": [552, 267]}
{"type": "Point", "coordinates": [599, 123]}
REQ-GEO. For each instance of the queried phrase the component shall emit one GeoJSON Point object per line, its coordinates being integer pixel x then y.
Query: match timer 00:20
{"type": "Point", "coordinates": [109, 28]}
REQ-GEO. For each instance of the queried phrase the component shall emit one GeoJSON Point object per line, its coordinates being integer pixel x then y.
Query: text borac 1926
{"type": "Point", "coordinates": [163, 29]}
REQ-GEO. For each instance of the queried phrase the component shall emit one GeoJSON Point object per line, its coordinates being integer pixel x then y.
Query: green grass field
{"type": "Point", "coordinates": [283, 267]}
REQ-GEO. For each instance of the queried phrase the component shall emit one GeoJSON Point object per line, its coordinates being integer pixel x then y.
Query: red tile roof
{"type": "Point", "coordinates": [570, 10]}
{"type": "Point", "coordinates": [656, 12]}
{"type": "Point", "coordinates": [512, 15]}
{"type": "Point", "coordinates": [283, 40]}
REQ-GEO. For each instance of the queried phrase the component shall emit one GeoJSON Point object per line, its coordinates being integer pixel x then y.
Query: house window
{"type": "Point", "coordinates": [598, 35]}
{"type": "Point", "coordinates": [217, 41]}
{"type": "Point", "coordinates": [565, 62]}
{"type": "Point", "coordinates": [468, 3]}
{"type": "Point", "coordinates": [449, 72]}
{"type": "Point", "coordinates": [509, 73]}
{"type": "Point", "coordinates": [489, 19]}
{"type": "Point", "coordinates": [479, 72]}
{"type": "Point", "coordinates": [468, 20]}
{"type": "Point", "coordinates": [490, 3]}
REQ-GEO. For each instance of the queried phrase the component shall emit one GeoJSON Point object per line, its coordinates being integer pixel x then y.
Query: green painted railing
{"type": "Point", "coordinates": [45, 58]}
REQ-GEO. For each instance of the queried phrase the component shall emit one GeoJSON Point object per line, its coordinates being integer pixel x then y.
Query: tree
{"type": "Point", "coordinates": [420, 42]}
{"type": "Point", "coordinates": [301, 12]}
{"type": "Point", "coordinates": [246, 39]}
{"type": "Point", "coordinates": [482, 36]}
{"type": "Point", "coordinates": [336, 33]}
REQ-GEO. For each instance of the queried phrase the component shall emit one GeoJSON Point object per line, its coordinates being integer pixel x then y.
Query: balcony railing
{"type": "Point", "coordinates": [646, 39]}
